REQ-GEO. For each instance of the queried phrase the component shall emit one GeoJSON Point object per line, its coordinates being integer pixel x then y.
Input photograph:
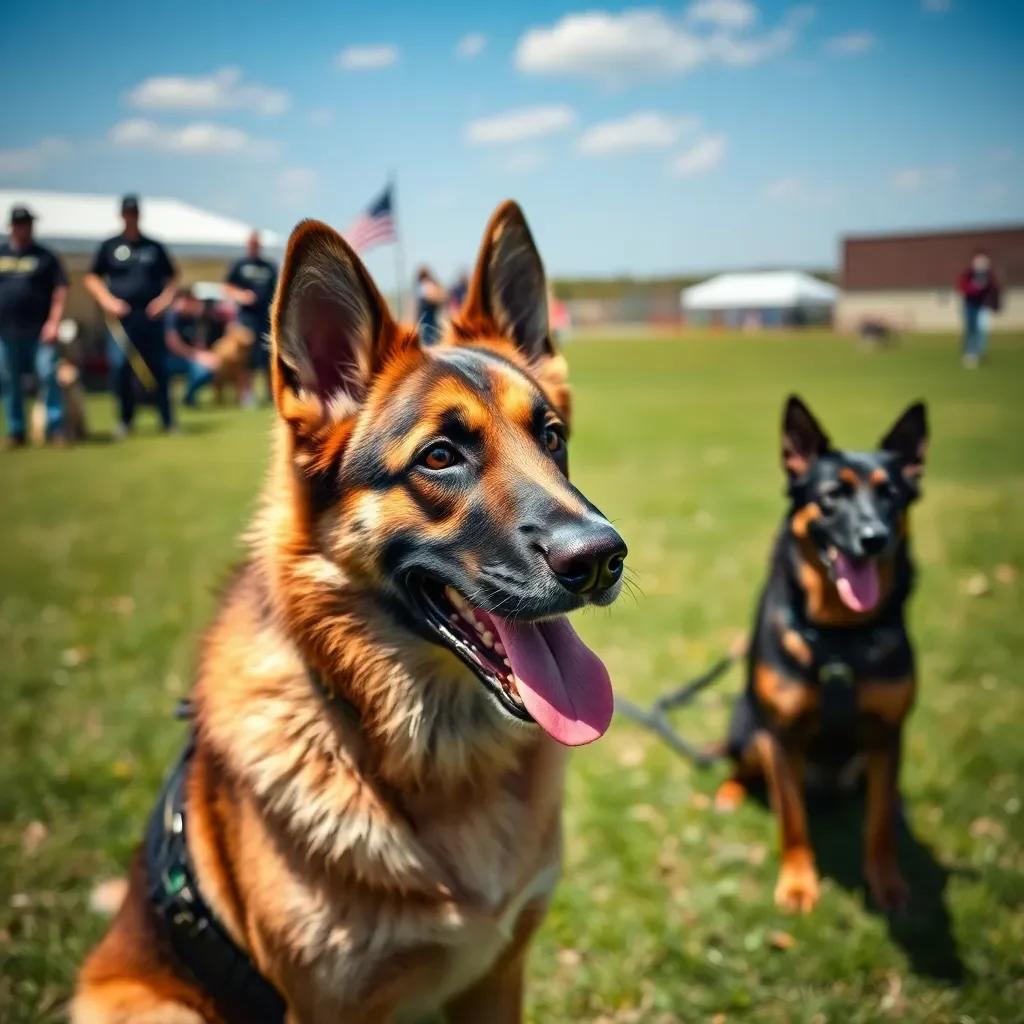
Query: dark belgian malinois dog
{"type": "Point", "coordinates": [830, 668]}
{"type": "Point", "coordinates": [365, 825]}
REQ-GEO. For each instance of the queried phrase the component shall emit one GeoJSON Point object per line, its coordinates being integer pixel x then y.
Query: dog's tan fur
{"type": "Point", "coordinates": [233, 351]}
{"type": "Point", "coordinates": [378, 866]}
{"type": "Point", "coordinates": [72, 400]}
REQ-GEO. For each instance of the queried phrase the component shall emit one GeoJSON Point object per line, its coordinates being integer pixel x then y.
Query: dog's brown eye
{"type": "Point", "coordinates": [439, 457]}
{"type": "Point", "coordinates": [554, 439]}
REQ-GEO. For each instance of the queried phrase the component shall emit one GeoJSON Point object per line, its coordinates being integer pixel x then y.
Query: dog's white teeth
{"type": "Point", "coordinates": [467, 616]}
{"type": "Point", "coordinates": [456, 598]}
{"type": "Point", "coordinates": [480, 627]}
{"type": "Point", "coordinates": [833, 552]}
{"type": "Point", "coordinates": [508, 664]}
{"type": "Point", "coordinates": [499, 650]}
{"type": "Point", "coordinates": [488, 638]}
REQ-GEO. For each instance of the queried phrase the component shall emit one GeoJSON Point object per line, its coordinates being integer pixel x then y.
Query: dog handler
{"type": "Point", "coordinates": [186, 352]}
{"type": "Point", "coordinates": [133, 279]}
{"type": "Point", "coordinates": [33, 289]}
{"type": "Point", "coordinates": [250, 283]}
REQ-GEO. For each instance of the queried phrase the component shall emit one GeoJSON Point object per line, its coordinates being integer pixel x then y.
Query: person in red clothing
{"type": "Point", "coordinates": [980, 290]}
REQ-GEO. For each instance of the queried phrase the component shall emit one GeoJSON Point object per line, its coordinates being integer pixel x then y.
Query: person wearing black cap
{"type": "Point", "coordinates": [134, 281]}
{"type": "Point", "coordinates": [33, 289]}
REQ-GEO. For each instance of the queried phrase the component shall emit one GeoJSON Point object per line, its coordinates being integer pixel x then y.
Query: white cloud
{"type": "Point", "coordinates": [645, 42]}
{"type": "Point", "coordinates": [913, 179]}
{"type": "Point", "coordinates": [849, 44]}
{"type": "Point", "coordinates": [733, 14]}
{"type": "Point", "coordinates": [643, 130]}
{"type": "Point", "coordinates": [295, 185]}
{"type": "Point", "coordinates": [519, 125]}
{"type": "Point", "coordinates": [321, 117]}
{"type": "Point", "coordinates": [936, 6]}
{"type": "Point", "coordinates": [703, 156]}
{"type": "Point", "coordinates": [198, 137]}
{"type": "Point", "coordinates": [222, 90]}
{"type": "Point", "coordinates": [471, 45]}
{"type": "Point", "coordinates": [367, 58]}
{"type": "Point", "coordinates": [797, 190]}
{"type": "Point", "coordinates": [523, 161]}
{"type": "Point", "coordinates": [26, 159]}
{"type": "Point", "coordinates": [801, 15]}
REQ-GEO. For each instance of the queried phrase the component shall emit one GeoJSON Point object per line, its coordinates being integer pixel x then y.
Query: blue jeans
{"type": "Point", "coordinates": [19, 355]}
{"type": "Point", "coordinates": [975, 330]}
{"type": "Point", "coordinates": [147, 336]}
{"type": "Point", "coordinates": [196, 376]}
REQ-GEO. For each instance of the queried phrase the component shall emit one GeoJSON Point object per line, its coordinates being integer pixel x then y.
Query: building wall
{"type": "Point", "coordinates": [934, 309]}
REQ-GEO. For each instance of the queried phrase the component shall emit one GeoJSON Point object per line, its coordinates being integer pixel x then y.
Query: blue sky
{"type": "Point", "coordinates": [639, 139]}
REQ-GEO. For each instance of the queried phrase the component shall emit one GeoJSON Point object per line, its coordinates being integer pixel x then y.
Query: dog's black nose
{"type": "Point", "coordinates": [586, 559]}
{"type": "Point", "coordinates": [873, 541]}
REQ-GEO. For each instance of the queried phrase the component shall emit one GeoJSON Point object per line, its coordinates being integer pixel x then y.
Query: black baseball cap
{"type": "Point", "coordinates": [22, 215]}
{"type": "Point", "coordinates": [130, 204]}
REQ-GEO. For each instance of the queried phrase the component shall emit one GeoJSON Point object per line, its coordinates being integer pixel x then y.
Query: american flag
{"type": "Point", "coordinates": [374, 227]}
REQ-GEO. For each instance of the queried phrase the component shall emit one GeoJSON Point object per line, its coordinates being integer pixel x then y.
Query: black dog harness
{"type": "Point", "coordinates": [206, 953]}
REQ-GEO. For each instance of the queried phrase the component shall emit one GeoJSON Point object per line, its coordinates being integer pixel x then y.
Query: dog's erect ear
{"type": "Point", "coordinates": [509, 288]}
{"type": "Point", "coordinates": [331, 328]}
{"type": "Point", "coordinates": [908, 438]}
{"type": "Point", "coordinates": [803, 440]}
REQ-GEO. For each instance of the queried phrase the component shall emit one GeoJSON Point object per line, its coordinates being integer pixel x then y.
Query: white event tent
{"type": "Point", "coordinates": [768, 298]}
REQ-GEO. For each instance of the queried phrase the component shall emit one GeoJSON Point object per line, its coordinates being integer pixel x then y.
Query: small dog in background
{"type": "Point", "coordinates": [71, 392]}
{"type": "Point", "coordinates": [233, 351]}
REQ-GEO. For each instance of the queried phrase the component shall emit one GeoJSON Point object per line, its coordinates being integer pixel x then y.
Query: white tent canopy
{"type": "Point", "coordinates": [78, 222]}
{"type": "Point", "coordinates": [777, 289]}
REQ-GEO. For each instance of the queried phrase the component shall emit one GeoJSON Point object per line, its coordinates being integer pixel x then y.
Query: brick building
{"type": "Point", "coordinates": [909, 280]}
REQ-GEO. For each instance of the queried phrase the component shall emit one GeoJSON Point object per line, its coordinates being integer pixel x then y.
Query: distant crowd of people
{"type": "Point", "coordinates": [156, 328]}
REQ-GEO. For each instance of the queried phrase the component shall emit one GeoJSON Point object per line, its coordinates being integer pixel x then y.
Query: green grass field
{"type": "Point", "coordinates": [110, 559]}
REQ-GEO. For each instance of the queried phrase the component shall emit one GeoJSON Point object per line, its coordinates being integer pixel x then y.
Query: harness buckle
{"type": "Point", "coordinates": [836, 673]}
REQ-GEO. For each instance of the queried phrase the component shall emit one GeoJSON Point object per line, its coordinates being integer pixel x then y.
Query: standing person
{"type": "Point", "coordinates": [980, 290]}
{"type": "Point", "coordinates": [187, 353]}
{"type": "Point", "coordinates": [430, 298]}
{"type": "Point", "coordinates": [134, 281]}
{"type": "Point", "coordinates": [457, 294]}
{"type": "Point", "coordinates": [33, 289]}
{"type": "Point", "coordinates": [251, 283]}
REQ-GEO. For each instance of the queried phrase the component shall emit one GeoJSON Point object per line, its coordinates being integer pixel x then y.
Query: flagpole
{"type": "Point", "coordinates": [399, 254]}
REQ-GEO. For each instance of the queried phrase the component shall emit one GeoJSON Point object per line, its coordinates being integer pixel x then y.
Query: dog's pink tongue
{"type": "Point", "coordinates": [857, 583]}
{"type": "Point", "coordinates": [563, 683]}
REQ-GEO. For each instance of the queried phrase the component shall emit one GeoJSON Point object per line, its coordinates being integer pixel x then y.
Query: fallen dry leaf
{"type": "Point", "coordinates": [781, 940]}
{"type": "Point", "coordinates": [647, 814]}
{"type": "Point", "coordinates": [124, 605]}
{"type": "Point", "coordinates": [74, 656]}
{"type": "Point", "coordinates": [35, 834]}
{"type": "Point", "coordinates": [977, 585]}
{"type": "Point", "coordinates": [986, 827]}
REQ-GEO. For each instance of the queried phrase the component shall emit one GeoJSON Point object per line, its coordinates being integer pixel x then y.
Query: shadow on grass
{"type": "Point", "coordinates": [925, 930]}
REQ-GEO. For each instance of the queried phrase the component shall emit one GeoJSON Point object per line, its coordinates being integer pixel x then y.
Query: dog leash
{"type": "Point", "coordinates": [131, 353]}
{"type": "Point", "coordinates": [655, 718]}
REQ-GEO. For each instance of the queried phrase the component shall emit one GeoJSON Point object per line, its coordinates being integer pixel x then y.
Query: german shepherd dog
{"type": "Point", "coordinates": [831, 675]}
{"type": "Point", "coordinates": [370, 806]}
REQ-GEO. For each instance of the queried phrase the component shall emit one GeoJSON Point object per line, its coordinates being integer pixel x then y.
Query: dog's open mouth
{"type": "Point", "coordinates": [537, 671]}
{"type": "Point", "coordinates": [856, 579]}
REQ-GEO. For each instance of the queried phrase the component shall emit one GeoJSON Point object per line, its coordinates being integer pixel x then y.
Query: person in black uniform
{"type": "Point", "coordinates": [33, 289]}
{"type": "Point", "coordinates": [250, 284]}
{"type": "Point", "coordinates": [134, 281]}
